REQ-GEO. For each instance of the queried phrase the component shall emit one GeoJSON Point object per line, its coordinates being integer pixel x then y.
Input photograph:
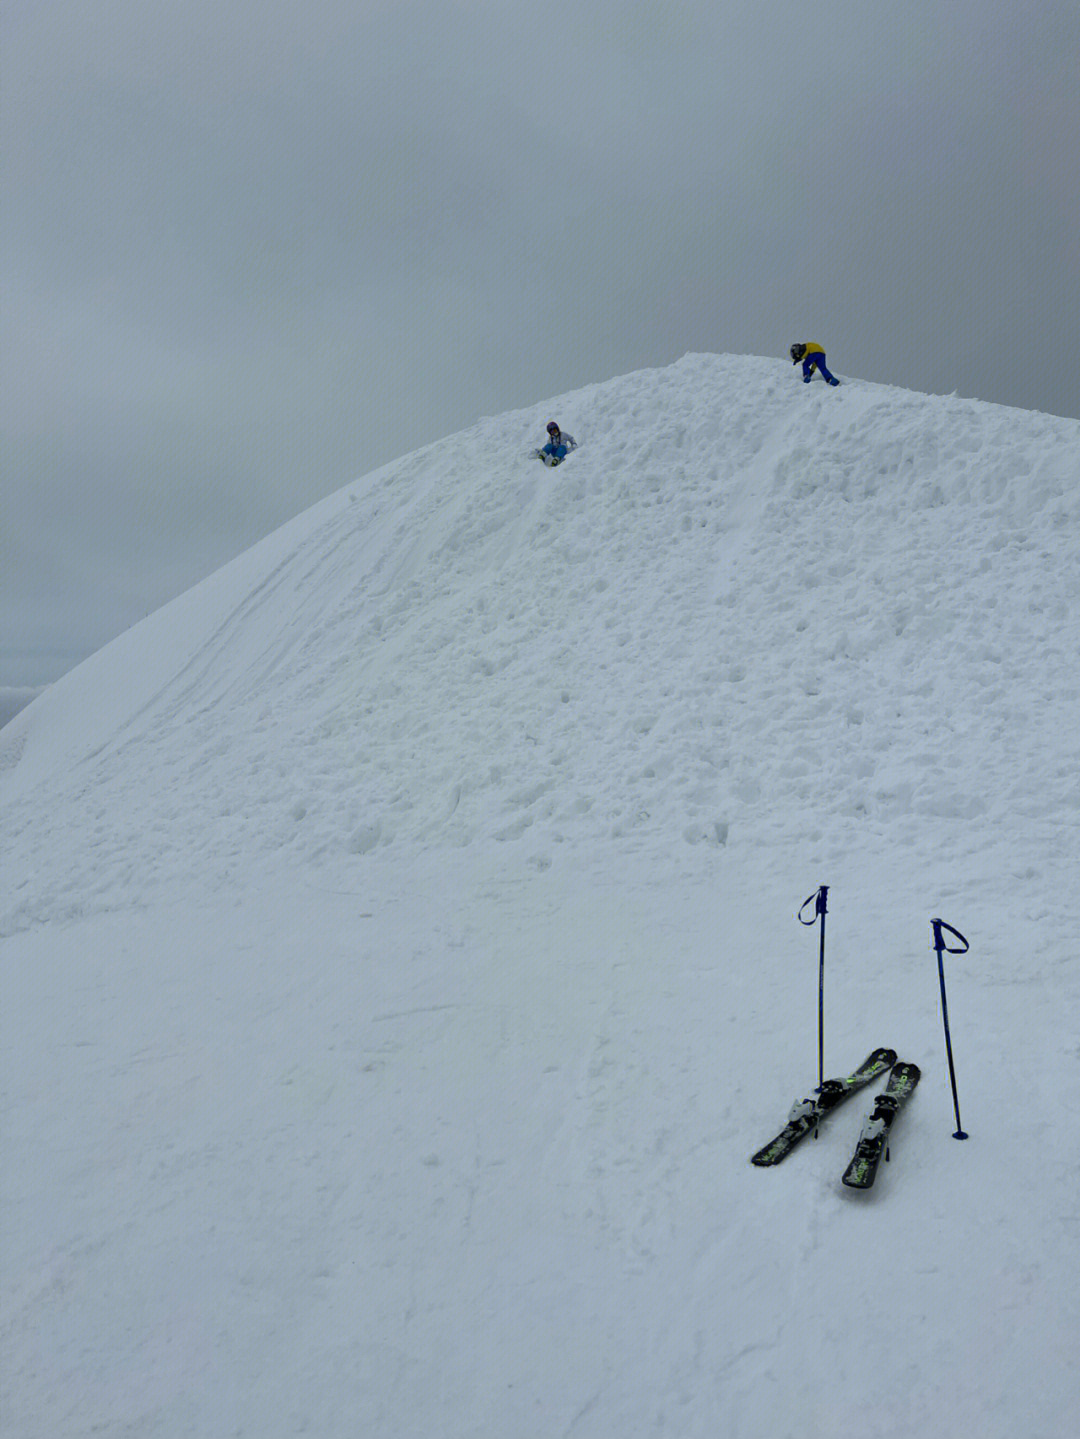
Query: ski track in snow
{"type": "Point", "coordinates": [400, 964]}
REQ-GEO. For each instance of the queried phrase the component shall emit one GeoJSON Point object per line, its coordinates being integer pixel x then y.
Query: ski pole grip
{"type": "Point", "coordinates": [939, 943]}
{"type": "Point", "coordinates": [818, 898]}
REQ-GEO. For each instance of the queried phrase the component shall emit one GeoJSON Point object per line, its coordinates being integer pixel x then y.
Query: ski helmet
{"type": "Point", "coordinates": [553, 428]}
{"type": "Point", "coordinates": [797, 351]}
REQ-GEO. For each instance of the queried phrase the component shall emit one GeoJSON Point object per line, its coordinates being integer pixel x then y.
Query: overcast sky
{"type": "Point", "coordinates": [254, 248]}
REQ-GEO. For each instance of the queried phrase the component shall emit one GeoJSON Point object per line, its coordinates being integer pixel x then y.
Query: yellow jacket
{"type": "Point", "coordinates": [813, 350]}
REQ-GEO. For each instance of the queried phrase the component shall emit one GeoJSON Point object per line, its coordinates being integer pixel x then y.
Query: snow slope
{"type": "Point", "coordinates": [13, 698]}
{"type": "Point", "coordinates": [400, 963]}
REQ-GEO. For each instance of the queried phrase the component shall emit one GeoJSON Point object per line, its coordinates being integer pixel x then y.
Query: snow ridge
{"type": "Point", "coordinates": [744, 612]}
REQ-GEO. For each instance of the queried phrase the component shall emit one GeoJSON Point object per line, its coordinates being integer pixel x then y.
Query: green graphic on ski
{"type": "Point", "coordinates": [807, 1114]}
{"type": "Point", "coordinates": [874, 1139]}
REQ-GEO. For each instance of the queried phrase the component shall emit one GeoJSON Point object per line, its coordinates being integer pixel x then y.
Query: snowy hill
{"type": "Point", "coordinates": [400, 964]}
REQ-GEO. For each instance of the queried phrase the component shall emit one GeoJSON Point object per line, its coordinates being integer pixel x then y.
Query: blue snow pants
{"type": "Point", "coordinates": [815, 361]}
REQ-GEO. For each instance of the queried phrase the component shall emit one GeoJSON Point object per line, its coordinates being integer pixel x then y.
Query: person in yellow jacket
{"type": "Point", "coordinates": [812, 358]}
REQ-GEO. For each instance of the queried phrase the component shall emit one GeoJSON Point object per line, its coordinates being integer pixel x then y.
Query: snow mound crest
{"type": "Point", "coordinates": [745, 612]}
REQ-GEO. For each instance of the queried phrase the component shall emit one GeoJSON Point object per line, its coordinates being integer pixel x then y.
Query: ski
{"type": "Point", "coordinates": [807, 1114]}
{"type": "Point", "coordinates": [874, 1139]}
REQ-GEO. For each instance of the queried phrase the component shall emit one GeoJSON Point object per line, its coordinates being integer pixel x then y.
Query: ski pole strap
{"type": "Point", "coordinates": [819, 897]}
{"type": "Point", "coordinates": [939, 943]}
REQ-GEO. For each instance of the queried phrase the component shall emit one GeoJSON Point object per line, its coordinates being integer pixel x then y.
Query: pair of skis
{"type": "Point", "coordinates": [807, 1114]}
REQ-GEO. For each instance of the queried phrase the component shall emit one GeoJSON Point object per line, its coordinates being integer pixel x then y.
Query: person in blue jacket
{"type": "Point", "coordinates": [813, 358]}
{"type": "Point", "coordinates": [559, 444]}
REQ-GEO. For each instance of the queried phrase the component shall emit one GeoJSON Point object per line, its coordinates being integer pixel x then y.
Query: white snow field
{"type": "Point", "coordinates": [400, 961]}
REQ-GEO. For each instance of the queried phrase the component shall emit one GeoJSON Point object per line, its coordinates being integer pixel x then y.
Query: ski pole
{"type": "Point", "coordinates": [942, 948]}
{"type": "Point", "coordinates": [819, 899]}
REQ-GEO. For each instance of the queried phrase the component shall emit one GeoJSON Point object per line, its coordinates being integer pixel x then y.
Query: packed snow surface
{"type": "Point", "coordinates": [400, 962]}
